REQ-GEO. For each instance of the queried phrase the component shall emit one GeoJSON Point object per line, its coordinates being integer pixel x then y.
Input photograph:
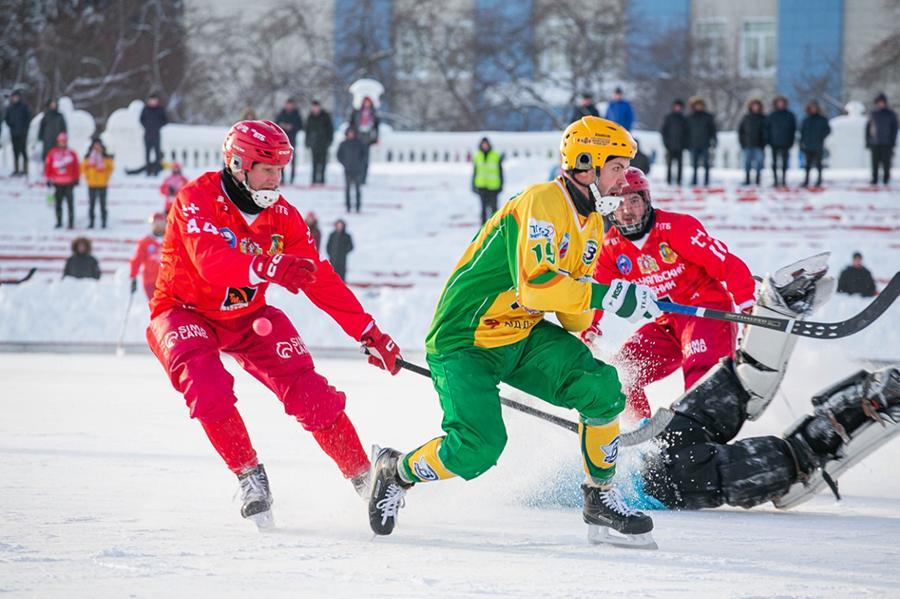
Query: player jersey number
{"type": "Point", "coordinates": [716, 247]}
{"type": "Point", "coordinates": [208, 227]}
{"type": "Point", "coordinates": [544, 251]}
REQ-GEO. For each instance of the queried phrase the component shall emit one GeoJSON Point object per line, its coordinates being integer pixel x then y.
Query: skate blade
{"type": "Point", "coordinates": [601, 535]}
{"type": "Point", "coordinates": [263, 520]}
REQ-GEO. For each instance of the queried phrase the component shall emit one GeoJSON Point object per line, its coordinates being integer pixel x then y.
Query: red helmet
{"type": "Point", "coordinates": [157, 217]}
{"type": "Point", "coordinates": [249, 142]}
{"type": "Point", "coordinates": [635, 182]}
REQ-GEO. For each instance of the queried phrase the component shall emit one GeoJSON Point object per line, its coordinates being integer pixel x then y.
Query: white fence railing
{"type": "Point", "coordinates": [199, 146]}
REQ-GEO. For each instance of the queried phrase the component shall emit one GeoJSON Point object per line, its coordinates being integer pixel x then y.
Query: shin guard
{"type": "Point", "coordinates": [230, 438]}
{"type": "Point", "coordinates": [599, 449]}
{"type": "Point", "coordinates": [342, 444]}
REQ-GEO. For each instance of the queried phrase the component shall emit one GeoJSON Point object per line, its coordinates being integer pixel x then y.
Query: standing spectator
{"type": "Point", "coordinates": [351, 154]}
{"type": "Point", "coordinates": [312, 223]}
{"type": "Point", "coordinates": [171, 185]}
{"type": "Point", "coordinates": [61, 171]}
{"type": "Point", "coordinates": [52, 124]}
{"type": "Point", "coordinates": [675, 138]}
{"type": "Point", "coordinates": [584, 108]}
{"type": "Point", "coordinates": [18, 119]}
{"type": "Point", "coordinates": [147, 256]}
{"type": "Point", "coordinates": [487, 177]}
{"type": "Point", "coordinates": [339, 245]}
{"type": "Point", "coordinates": [813, 131]}
{"type": "Point", "coordinates": [881, 137]}
{"type": "Point", "coordinates": [365, 121]}
{"type": "Point", "coordinates": [856, 279]}
{"type": "Point", "coordinates": [781, 130]}
{"type": "Point", "coordinates": [620, 110]}
{"type": "Point", "coordinates": [752, 137]}
{"type": "Point", "coordinates": [98, 167]}
{"type": "Point", "coordinates": [319, 135]}
{"type": "Point", "coordinates": [291, 122]}
{"type": "Point", "coordinates": [153, 118]}
{"type": "Point", "coordinates": [701, 137]}
{"type": "Point", "coordinates": [640, 161]}
{"type": "Point", "coordinates": [81, 264]}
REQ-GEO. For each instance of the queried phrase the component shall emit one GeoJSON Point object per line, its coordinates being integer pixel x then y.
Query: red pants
{"type": "Point", "coordinates": [659, 348]}
{"type": "Point", "coordinates": [188, 346]}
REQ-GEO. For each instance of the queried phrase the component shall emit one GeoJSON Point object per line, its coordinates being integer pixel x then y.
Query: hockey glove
{"type": "Point", "coordinates": [382, 350]}
{"type": "Point", "coordinates": [291, 272]}
{"type": "Point", "coordinates": [630, 301]}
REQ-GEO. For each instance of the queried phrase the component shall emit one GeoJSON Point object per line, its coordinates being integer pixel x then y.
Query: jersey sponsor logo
{"type": "Point", "coordinates": [293, 347]}
{"type": "Point", "coordinates": [667, 254]}
{"type": "Point", "coordinates": [694, 346]}
{"type": "Point", "coordinates": [564, 246]}
{"type": "Point", "coordinates": [594, 140]}
{"type": "Point", "coordinates": [492, 323]}
{"type": "Point", "coordinates": [540, 229]}
{"type": "Point", "coordinates": [229, 236]}
{"type": "Point", "coordinates": [647, 264]}
{"type": "Point", "coordinates": [663, 226]}
{"type": "Point", "coordinates": [277, 246]}
{"type": "Point", "coordinates": [184, 332]}
{"type": "Point", "coordinates": [590, 251]}
{"type": "Point", "coordinates": [238, 297]}
{"type": "Point", "coordinates": [665, 276]}
{"type": "Point", "coordinates": [248, 246]}
{"type": "Point", "coordinates": [623, 263]}
{"type": "Point", "coordinates": [423, 470]}
{"type": "Point", "coordinates": [610, 451]}
{"type": "Point", "coordinates": [279, 209]}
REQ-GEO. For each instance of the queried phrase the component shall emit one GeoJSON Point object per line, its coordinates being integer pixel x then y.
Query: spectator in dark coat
{"type": "Point", "coordinates": [813, 131]}
{"type": "Point", "coordinates": [81, 264]}
{"type": "Point", "coordinates": [881, 137]}
{"type": "Point", "coordinates": [701, 137]}
{"type": "Point", "coordinates": [675, 138]}
{"type": "Point", "coordinates": [641, 161]}
{"type": "Point", "coordinates": [18, 119]}
{"type": "Point", "coordinates": [312, 223]}
{"type": "Point", "coordinates": [365, 121]}
{"type": "Point", "coordinates": [319, 135]}
{"type": "Point", "coordinates": [752, 137]}
{"type": "Point", "coordinates": [52, 124]}
{"type": "Point", "coordinates": [291, 122]}
{"type": "Point", "coordinates": [619, 110]}
{"type": "Point", "coordinates": [585, 107]}
{"type": "Point", "coordinates": [153, 119]}
{"type": "Point", "coordinates": [781, 131]}
{"type": "Point", "coordinates": [856, 279]}
{"type": "Point", "coordinates": [351, 154]}
{"type": "Point", "coordinates": [339, 245]}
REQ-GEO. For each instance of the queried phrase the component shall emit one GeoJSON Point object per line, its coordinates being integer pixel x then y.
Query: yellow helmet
{"type": "Point", "coordinates": [590, 141]}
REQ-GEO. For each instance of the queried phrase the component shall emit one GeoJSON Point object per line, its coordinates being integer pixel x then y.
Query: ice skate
{"type": "Point", "coordinates": [605, 511]}
{"type": "Point", "coordinates": [387, 490]}
{"type": "Point", "coordinates": [852, 419]}
{"type": "Point", "coordinates": [361, 485]}
{"type": "Point", "coordinates": [256, 498]}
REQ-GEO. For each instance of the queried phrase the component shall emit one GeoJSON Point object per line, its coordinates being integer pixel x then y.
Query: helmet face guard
{"type": "Point", "coordinates": [636, 182]}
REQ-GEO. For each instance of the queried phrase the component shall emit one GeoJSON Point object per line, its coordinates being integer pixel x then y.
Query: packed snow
{"type": "Point", "coordinates": [111, 490]}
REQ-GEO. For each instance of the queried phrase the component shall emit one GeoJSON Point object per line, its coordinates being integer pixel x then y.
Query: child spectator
{"type": "Point", "coordinates": [81, 264]}
{"type": "Point", "coordinates": [97, 166]}
{"type": "Point", "coordinates": [856, 279]}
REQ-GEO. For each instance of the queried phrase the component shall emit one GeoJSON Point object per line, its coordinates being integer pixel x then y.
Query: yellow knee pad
{"type": "Point", "coordinates": [599, 449]}
{"type": "Point", "coordinates": [424, 464]}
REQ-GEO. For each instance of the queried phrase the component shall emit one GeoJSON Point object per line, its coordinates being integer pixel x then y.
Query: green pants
{"type": "Point", "coordinates": [550, 363]}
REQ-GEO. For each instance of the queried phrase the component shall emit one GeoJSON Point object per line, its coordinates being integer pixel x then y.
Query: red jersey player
{"type": "Point", "coordinates": [147, 254]}
{"type": "Point", "coordinates": [673, 255]}
{"type": "Point", "coordinates": [230, 234]}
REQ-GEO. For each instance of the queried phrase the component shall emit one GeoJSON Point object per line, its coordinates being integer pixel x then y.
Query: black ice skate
{"type": "Point", "coordinates": [256, 498]}
{"type": "Point", "coordinates": [851, 420]}
{"type": "Point", "coordinates": [604, 509]}
{"type": "Point", "coordinates": [387, 490]}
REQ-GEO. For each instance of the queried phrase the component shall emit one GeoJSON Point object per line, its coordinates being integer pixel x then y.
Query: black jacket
{"type": "Point", "coordinates": [881, 130]}
{"type": "Point", "coordinates": [351, 154]}
{"type": "Point", "coordinates": [641, 162]}
{"type": "Point", "coordinates": [52, 124]}
{"type": "Point", "coordinates": [752, 130]}
{"type": "Point", "coordinates": [371, 136]}
{"type": "Point", "coordinates": [579, 112]}
{"type": "Point", "coordinates": [856, 280]}
{"type": "Point", "coordinates": [319, 131]}
{"type": "Point", "coordinates": [339, 245]}
{"type": "Point", "coordinates": [701, 130]}
{"type": "Point", "coordinates": [781, 128]}
{"type": "Point", "coordinates": [18, 118]}
{"type": "Point", "coordinates": [153, 119]}
{"type": "Point", "coordinates": [291, 122]}
{"type": "Point", "coordinates": [813, 131]}
{"type": "Point", "coordinates": [82, 266]}
{"type": "Point", "coordinates": [675, 132]}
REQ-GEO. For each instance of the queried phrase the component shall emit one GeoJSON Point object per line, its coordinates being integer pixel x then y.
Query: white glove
{"type": "Point", "coordinates": [630, 301]}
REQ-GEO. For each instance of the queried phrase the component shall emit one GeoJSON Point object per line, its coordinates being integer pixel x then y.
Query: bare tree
{"type": "Point", "coordinates": [881, 66]}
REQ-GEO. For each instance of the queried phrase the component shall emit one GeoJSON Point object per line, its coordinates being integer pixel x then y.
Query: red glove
{"type": "Point", "coordinates": [382, 350]}
{"type": "Point", "coordinates": [291, 272]}
{"type": "Point", "coordinates": [746, 307]}
{"type": "Point", "coordinates": [591, 334]}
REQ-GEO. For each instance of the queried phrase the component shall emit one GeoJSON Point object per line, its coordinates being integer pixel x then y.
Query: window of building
{"type": "Point", "coordinates": [758, 47]}
{"type": "Point", "coordinates": [710, 50]}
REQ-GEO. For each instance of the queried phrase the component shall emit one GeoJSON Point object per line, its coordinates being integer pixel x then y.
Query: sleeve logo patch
{"type": "Point", "coordinates": [647, 264]}
{"type": "Point", "coordinates": [667, 254]}
{"type": "Point", "coordinates": [229, 236]}
{"type": "Point", "coordinates": [590, 251]}
{"type": "Point", "coordinates": [564, 246]}
{"type": "Point", "coordinates": [623, 263]}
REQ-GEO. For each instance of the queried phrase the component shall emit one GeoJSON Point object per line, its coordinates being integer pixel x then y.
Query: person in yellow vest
{"type": "Point", "coordinates": [487, 177]}
{"type": "Point", "coordinates": [97, 167]}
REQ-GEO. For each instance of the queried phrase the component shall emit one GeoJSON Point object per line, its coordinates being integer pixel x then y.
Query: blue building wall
{"type": "Point", "coordinates": [647, 21]}
{"type": "Point", "coordinates": [810, 44]}
{"type": "Point", "coordinates": [362, 26]}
